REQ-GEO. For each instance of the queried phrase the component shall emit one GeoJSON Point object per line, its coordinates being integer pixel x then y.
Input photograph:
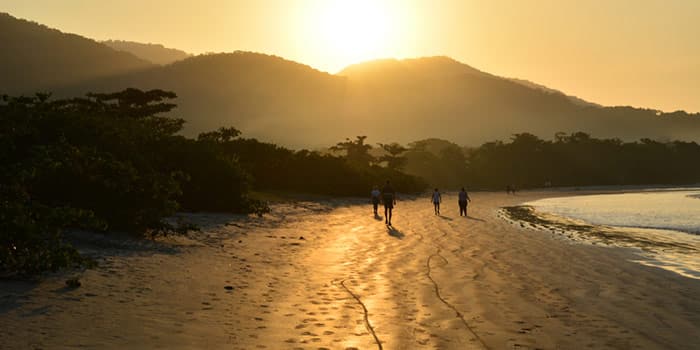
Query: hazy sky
{"type": "Point", "coordinates": [615, 52]}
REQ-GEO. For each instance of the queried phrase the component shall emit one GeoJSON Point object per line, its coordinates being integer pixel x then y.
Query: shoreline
{"type": "Point", "coordinates": [664, 249]}
{"type": "Point", "coordinates": [310, 275]}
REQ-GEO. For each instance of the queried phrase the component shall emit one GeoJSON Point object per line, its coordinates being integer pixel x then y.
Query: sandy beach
{"type": "Point", "coordinates": [331, 276]}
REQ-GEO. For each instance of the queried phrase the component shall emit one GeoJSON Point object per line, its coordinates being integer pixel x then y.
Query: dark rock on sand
{"type": "Point", "coordinates": [73, 283]}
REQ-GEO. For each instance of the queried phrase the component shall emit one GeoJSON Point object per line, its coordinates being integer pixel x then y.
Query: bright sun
{"type": "Point", "coordinates": [349, 31]}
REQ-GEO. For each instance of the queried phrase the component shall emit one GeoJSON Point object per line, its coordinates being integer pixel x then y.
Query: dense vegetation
{"type": "Point", "coordinates": [108, 161]}
{"type": "Point", "coordinates": [351, 173]}
{"type": "Point", "coordinates": [577, 159]}
{"type": "Point", "coordinates": [113, 162]}
{"type": "Point", "coordinates": [441, 163]}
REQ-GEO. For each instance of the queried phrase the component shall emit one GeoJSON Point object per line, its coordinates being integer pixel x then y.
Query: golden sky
{"type": "Point", "coordinates": [644, 53]}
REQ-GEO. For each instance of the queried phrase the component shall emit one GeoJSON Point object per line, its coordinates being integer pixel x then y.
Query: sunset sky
{"type": "Point", "coordinates": [643, 53]}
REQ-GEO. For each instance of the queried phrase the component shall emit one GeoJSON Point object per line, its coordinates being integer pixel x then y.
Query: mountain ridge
{"type": "Point", "coordinates": [276, 99]}
{"type": "Point", "coordinates": [154, 53]}
{"type": "Point", "coordinates": [294, 104]}
{"type": "Point", "coordinates": [26, 67]}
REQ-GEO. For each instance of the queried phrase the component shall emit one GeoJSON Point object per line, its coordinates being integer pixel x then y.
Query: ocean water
{"type": "Point", "coordinates": [663, 224]}
{"type": "Point", "coordinates": [677, 210]}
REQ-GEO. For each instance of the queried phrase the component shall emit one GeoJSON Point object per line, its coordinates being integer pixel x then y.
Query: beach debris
{"type": "Point", "coordinates": [228, 287]}
{"type": "Point", "coordinates": [73, 283]}
{"type": "Point", "coordinates": [302, 238]}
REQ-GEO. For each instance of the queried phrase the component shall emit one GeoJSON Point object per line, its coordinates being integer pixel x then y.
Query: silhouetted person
{"type": "Point", "coordinates": [375, 198]}
{"type": "Point", "coordinates": [436, 201]}
{"type": "Point", "coordinates": [463, 201]}
{"type": "Point", "coordinates": [389, 200]}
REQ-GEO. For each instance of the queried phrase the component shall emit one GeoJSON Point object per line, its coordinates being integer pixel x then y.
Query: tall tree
{"type": "Point", "coordinates": [356, 151]}
{"type": "Point", "coordinates": [394, 155]}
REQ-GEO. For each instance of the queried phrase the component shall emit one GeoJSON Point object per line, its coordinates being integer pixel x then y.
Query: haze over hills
{"type": "Point", "coordinates": [444, 98]}
{"type": "Point", "coordinates": [296, 105]}
{"type": "Point", "coordinates": [155, 53]}
{"type": "Point", "coordinates": [34, 57]}
{"type": "Point", "coordinates": [265, 96]}
{"type": "Point", "coordinates": [573, 99]}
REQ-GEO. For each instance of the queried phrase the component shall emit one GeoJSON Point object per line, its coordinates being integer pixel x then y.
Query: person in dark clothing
{"type": "Point", "coordinates": [375, 198]}
{"type": "Point", "coordinates": [389, 200]}
{"type": "Point", "coordinates": [463, 201]}
{"type": "Point", "coordinates": [436, 200]}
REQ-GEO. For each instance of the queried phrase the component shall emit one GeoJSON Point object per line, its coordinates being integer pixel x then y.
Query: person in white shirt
{"type": "Point", "coordinates": [375, 198]}
{"type": "Point", "coordinates": [436, 201]}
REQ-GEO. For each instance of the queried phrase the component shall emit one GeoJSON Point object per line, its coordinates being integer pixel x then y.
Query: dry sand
{"type": "Point", "coordinates": [433, 282]}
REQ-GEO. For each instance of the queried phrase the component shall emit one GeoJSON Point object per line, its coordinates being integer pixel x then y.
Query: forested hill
{"type": "Point", "coordinates": [34, 57]}
{"type": "Point", "coordinates": [440, 97]}
{"type": "Point", "coordinates": [266, 96]}
{"type": "Point", "coordinates": [154, 53]}
{"type": "Point", "coordinates": [292, 104]}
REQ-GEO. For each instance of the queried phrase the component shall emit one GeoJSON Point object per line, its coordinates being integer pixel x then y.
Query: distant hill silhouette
{"type": "Point", "coordinates": [155, 53]}
{"type": "Point", "coordinates": [287, 102]}
{"type": "Point", "coordinates": [436, 67]}
{"type": "Point", "coordinates": [440, 97]}
{"type": "Point", "coordinates": [34, 57]}
{"type": "Point", "coordinates": [574, 99]}
{"type": "Point", "coordinates": [426, 68]}
{"type": "Point", "coordinates": [265, 96]}
{"type": "Point", "coordinates": [295, 105]}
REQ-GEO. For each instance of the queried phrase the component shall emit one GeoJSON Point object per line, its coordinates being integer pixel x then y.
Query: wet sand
{"type": "Point", "coordinates": [331, 276]}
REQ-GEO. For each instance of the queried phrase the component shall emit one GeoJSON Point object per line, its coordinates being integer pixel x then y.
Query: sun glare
{"type": "Point", "coordinates": [349, 31]}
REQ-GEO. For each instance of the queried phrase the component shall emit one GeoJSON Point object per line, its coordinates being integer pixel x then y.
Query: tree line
{"type": "Point", "coordinates": [527, 161]}
{"type": "Point", "coordinates": [577, 159]}
{"type": "Point", "coordinates": [109, 162]}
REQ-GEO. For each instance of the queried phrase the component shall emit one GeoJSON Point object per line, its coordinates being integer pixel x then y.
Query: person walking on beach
{"type": "Point", "coordinates": [375, 198]}
{"type": "Point", "coordinates": [463, 201]}
{"type": "Point", "coordinates": [436, 201]}
{"type": "Point", "coordinates": [389, 200]}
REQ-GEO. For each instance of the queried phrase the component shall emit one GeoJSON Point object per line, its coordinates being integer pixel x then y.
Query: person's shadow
{"type": "Point", "coordinates": [445, 217]}
{"type": "Point", "coordinates": [474, 218]}
{"type": "Point", "coordinates": [393, 232]}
